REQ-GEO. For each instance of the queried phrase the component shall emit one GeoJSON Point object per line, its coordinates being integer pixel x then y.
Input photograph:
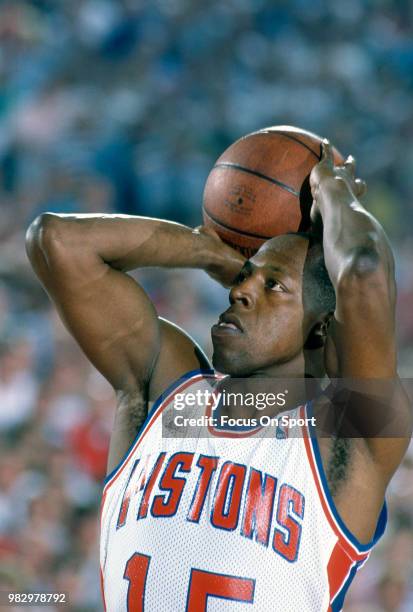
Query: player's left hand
{"type": "Point", "coordinates": [326, 169]}
{"type": "Point", "coordinates": [227, 261]}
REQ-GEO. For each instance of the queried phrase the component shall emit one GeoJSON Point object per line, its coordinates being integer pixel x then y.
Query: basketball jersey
{"type": "Point", "coordinates": [226, 521]}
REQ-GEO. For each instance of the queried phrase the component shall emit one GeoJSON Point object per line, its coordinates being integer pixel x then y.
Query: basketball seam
{"type": "Point", "coordinates": [234, 229]}
{"type": "Point", "coordinates": [268, 132]}
{"type": "Point", "coordinates": [274, 181]}
{"type": "Point", "coordinates": [297, 140]}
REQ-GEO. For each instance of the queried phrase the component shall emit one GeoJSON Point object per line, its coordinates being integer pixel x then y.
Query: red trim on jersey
{"type": "Point", "coordinates": [154, 417]}
{"type": "Point", "coordinates": [338, 570]}
{"type": "Point", "coordinates": [347, 546]}
{"type": "Point", "coordinates": [223, 433]}
{"type": "Point", "coordinates": [102, 589]}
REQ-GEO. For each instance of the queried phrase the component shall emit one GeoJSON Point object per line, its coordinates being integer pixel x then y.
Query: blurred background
{"type": "Point", "coordinates": [123, 106]}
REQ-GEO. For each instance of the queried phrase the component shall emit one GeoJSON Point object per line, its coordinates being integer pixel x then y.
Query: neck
{"type": "Point", "coordinates": [287, 384]}
{"type": "Point", "coordinates": [307, 364]}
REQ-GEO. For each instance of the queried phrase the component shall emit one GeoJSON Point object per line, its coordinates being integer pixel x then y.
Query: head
{"type": "Point", "coordinates": [280, 307]}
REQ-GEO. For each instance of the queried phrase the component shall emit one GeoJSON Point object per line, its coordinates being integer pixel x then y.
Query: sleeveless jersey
{"type": "Point", "coordinates": [228, 521]}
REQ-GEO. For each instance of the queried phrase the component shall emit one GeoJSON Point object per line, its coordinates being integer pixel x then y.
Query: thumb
{"type": "Point", "coordinates": [327, 153]}
{"type": "Point", "coordinates": [360, 187]}
{"type": "Point", "coordinates": [208, 231]}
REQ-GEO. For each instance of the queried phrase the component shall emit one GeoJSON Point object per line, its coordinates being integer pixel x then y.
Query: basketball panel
{"type": "Point", "coordinates": [277, 158]}
{"type": "Point", "coordinates": [250, 204]}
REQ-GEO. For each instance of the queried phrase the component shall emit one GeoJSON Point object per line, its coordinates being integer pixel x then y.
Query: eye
{"type": "Point", "coordinates": [274, 285]}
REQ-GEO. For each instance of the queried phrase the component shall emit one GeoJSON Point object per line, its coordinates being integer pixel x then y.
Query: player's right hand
{"type": "Point", "coordinates": [227, 262]}
{"type": "Point", "coordinates": [326, 169]}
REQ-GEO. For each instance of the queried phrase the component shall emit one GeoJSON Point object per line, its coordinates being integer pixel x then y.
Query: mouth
{"type": "Point", "coordinates": [228, 324]}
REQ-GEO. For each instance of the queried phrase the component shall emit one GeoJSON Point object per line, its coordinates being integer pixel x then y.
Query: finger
{"type": "Point", "coordinates": [350, 164]}
{"type": "Point", "coordinates": [327, 152]}
{"type": "Point", "coordinates": [361, 187]}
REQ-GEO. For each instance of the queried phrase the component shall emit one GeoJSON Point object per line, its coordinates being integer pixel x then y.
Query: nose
{"type": "Point", "coordinates": [242, 294]}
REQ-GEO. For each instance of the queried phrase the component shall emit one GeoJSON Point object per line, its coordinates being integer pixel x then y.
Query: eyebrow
{"type": "Point", "coordinates": [249, 267]}
{"type": "Point", "coordinates": [283, 272]}
{"type": "Point", "coordinates": [276, 269]}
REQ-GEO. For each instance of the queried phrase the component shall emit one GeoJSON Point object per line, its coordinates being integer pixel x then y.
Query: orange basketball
{"type": "Point", "coordinates": [259, 187]}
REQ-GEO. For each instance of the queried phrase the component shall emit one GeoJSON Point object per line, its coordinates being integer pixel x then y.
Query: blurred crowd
{"type": "Point", "coordinates": [123, 106]}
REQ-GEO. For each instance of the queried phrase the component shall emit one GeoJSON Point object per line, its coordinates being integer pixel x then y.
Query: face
{"type": "Point", "coordinates": [266, 324]}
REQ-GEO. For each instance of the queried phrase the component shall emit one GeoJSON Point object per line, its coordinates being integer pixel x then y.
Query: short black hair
{"type": "Point", "coordinates": [318, 289]}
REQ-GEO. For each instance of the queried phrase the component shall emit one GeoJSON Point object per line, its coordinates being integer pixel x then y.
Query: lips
{"type": "Point", "coordinates": [227, 318]}
{"type": "Point", "coordinates": [228, 323]}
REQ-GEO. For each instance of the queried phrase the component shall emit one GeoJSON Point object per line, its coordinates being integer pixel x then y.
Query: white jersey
{"type": "Point", "coordinates": [233, 521]}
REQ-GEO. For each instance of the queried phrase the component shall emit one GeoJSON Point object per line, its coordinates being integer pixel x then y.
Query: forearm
{"type": "Point", "coordinates": [125, 242]}
{"type": "Point", "coordinates": [352, 237]}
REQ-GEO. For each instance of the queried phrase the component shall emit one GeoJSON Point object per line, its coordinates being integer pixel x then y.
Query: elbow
{"type": "Point", "coordinates": [364, 260]}
{"type": "Point", "coordinates": [43, 234]}
{"type": "Point", "coordinates": [369, 269]}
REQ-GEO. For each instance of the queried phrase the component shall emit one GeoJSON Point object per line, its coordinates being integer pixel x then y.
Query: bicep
{"type": "Point", "coordinates": [116, 325]}
{"type": "Point", "coordinates": [363, 334]}
{"type": "Point", "coordinates": [105, 310]}
{"type": "Point", "coordinates": [363, 328]}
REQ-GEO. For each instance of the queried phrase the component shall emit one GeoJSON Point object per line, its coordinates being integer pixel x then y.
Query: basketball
{"type": "Point", "coordinates": [259, 187]}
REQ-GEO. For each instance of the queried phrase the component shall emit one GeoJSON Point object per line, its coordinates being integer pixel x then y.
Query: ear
{"type": "Point", "coordinates": [317, 337]}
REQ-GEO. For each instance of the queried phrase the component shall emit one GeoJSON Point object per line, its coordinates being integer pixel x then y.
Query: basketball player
{"type": "Point", "coordinates": [246, 519]}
